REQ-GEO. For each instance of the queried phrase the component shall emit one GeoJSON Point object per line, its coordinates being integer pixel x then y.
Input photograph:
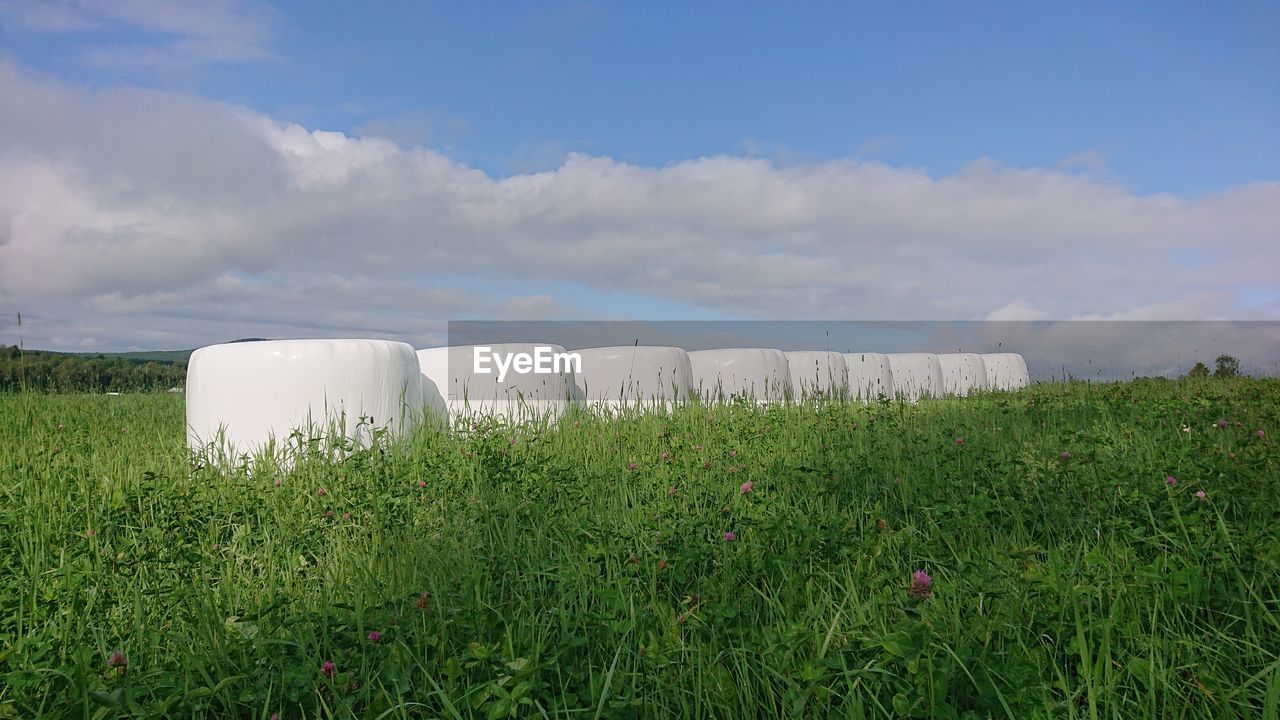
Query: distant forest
{"type": "Point", "coordinates": [44, 371]}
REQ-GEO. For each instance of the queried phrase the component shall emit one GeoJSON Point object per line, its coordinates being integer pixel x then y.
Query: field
{"type": "Point", "coordinates": [1091, 551]}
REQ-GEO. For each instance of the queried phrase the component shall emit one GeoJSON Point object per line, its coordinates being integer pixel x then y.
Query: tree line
{"type": "Point", "coordinates": [1225, 366]}
{"type": "Point", "coordinates": [44, 371]}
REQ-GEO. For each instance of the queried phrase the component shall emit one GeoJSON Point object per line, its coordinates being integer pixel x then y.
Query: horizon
{"type": "Point", "coordinates": [1100, 351]}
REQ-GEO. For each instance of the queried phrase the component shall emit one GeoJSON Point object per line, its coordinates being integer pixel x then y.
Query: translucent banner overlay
{"type": "Point", "coordinates": [1098, 350]}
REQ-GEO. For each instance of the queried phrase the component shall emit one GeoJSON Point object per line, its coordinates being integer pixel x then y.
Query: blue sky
{"type": "Point", "coordinates": [1176, 97]}
{"type": "Point", "coordinates": [180, 172]}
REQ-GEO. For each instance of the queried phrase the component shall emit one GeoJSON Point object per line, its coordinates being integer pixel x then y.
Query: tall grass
{"type": "Point", "coordinates": [533, 572]}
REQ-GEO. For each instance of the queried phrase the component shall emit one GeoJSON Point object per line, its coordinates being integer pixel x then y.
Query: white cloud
{"type": "Point", "coordinates": [126, 212]}
{"type": "Point", "coordinates": [176, 31]}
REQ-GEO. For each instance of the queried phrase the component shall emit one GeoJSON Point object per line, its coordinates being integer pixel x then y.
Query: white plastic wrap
{"type": "Point", "coordinates": [245, 394]}
{"type": "Point", "coordinates": [963, 373]}
{"type": "Point", "coordinates": [870, 376]}
{"type": "Point", "coordinates": [1006, 371]}
{"type": "Point", "coordinates": [634, 377]}
{"type": "Point", "coordinates": [755, 373]}
{"type": "Point", "coordinates": [916, 375]}
{"type": "Point", "coordinates": [818, 374]}
{"type": "Point", "coordinates": [517, 396]}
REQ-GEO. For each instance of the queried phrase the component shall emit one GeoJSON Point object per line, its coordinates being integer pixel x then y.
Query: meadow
{"type": "Point", "coordinates": [1088, 551]}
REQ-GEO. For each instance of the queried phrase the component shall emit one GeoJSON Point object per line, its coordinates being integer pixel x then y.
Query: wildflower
{"type": "Point", "coordinates": [671, 491]}
{"type": "Point", "coordinates": [216, 546]}
{"type": "Point", "coordinates": [279, 482]}
{"type": "Point", "coordinates": [1171, 480]}
{"type": "Point", "coordinates": [514, 441]}
{"type": "Point", "coordinates": [733, 468]}
{"type": "Point", "coordinates": [118, 661]}
{"type": "Point", "coordinates": [706, 465]}
{"type": "Point", "coordinates": [59, 426]}
{"type": "Point", "coordinates": [632, 466]}
{"type": "Point", "coordinates": [697, 447]}
{"type": "Point", "coordinates": [321, 492]}
{"type": "Point", "coordinates": [374, 636]}
{"type": "Point", "coordinates": [422, 600]}
{"type": "Point", "coordinates": [662, 565]}
{"type": "Point", "coordinates": [328, 668]}
{"type": "Point", "coordinates": [1200, 494]}
{"type": "Point", "coordinates": [746, 487]}
{"type": "Point", "coordinates": [733, 453]}
{"type": "Point", "coordinates": [346, 516]}
{"type": "Point", "coordinates": [275, 716]}
{"type": "Point", "coordinates": [960, 441]}
{"type": "Point", "coordinates": [422, 483]}
{"type": "Point", "coordinates": [1260, 434]}
{"type": "Point", "coordinates": [920, 585]}
{"type": "Point", "coordinates": [1066, 455]}
{"type": "Point", "coordinates": [666, 456]}
{"type": "Point", "coordinates": [882, 524]}
{"type": "Point", "coordinates": [1222, 423]}
{"type": "Point", "coordinates": [730, 537]}
{"type": "Point", "coordinates": [328, 513]}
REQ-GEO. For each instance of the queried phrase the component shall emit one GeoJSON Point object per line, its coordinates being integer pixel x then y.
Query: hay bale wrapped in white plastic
{"type": "Point", "coordinates": [434, 364]}
{"type": "Point", "coordinates": [758, 374]}
{"type": "Point", "coordinates": [634, 377]}
{"type": "Point", "coordinates": [963, 373]}
{"type": "Point", "coordinates": [249, 397]}
{"type": "Point", "coordinates": [870, 376]}
{"type": "Point", "coordinates": [916, 375]}
{"type": "Point", "coordinates": [514, 381]}
{"type": "Point", "coordinates": [1006, 371]}
{"type": "Point", "coordinates": [816, 373]}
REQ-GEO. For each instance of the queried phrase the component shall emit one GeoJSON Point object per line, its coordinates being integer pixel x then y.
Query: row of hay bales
{"type": "Point", "coordinates": [241, 395]}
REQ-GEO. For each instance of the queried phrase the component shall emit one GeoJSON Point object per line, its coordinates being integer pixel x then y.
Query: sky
{"type": "Point", "coordinates": [174, 174]}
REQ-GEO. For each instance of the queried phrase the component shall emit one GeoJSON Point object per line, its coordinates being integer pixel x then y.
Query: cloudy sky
{"type": "Point", "coordinates": [174, 174]}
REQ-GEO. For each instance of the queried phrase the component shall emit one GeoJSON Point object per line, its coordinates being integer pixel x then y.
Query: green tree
{"type": "Point", "coordinates": [1199, 370]}
{"type": "Point", "coordinates": [1226, 366]}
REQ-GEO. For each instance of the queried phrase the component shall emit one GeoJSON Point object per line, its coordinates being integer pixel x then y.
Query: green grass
{"type": "Point", "coordinates": [535, 575]}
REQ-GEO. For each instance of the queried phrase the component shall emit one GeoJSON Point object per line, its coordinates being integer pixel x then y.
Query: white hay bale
{"type": "Point", "coordinates": [472, 381]}
{"type": "Point", "coordinates": [1006, 371]}
{"type": "Point", "coordinates": [818, 373]}
{"type": "Point", "coordinates": [870, 377]}
{"type": "Point", "coordinates": [434, 364]}
{"type": "Point", "coordinates": [638, 377]}
{"type": "Point", "coordinates": [916, 375]}
{"type": "Point", "coordinates": [963, 373]}
{"type": "Point", "coordinates": [758, 374]}
{"type": "Point", "coordinates": [249, 393]}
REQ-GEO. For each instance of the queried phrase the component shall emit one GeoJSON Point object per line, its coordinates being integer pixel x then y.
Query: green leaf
{"type": "Point", "coordinates": [110, 699]}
